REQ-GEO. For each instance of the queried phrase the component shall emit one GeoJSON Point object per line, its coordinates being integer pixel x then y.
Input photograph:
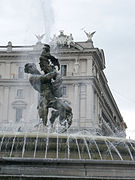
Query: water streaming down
{"type": "Point", "coordinates": [24, 143]}
{"type": "Point", "coordinates": [97, 149]}
{"type": "Point", "coordinates": [57, 151]}
{"type": "Point", "coordinates": [13, 143]}
{"type": "Point", "coordinates": [68, 146]}
{"type": "Point", "coordinates": [131, 156]}
{"type": "Point", "coordinates": [85, 142]}
{"type": "Point", "coordinates": [79, 154]}
{"type": "Point", "coordinates": [108, 148]}
{"type": "Point", "coordinates": [54, 145]}
{"type": "Point", "coordinates": [112, 145]}
{"type": "Point", "coordinates": [57, 144]}
{"type": "Point", "coordinates": [46, 147]}
{"type": "Point", "coordinates": [132, 145]}
{"type": "Point", "coordinates": [36, 141]}
{"type": "Point", "coordinates": [2, 141]}
{"type": "Point", "coordinates": [7, 144]}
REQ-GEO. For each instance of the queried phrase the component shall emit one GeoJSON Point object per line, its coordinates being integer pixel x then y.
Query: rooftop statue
{"type": "Point", "coordinates": [89, 35]}
{"type": "Point", "coordinates": [49, 86]}
{"type": "Point", "coordinates": [39, 37]}
{"type": "Point", "coordinates": [62, 40]}
{"type": "Point", "coordinates": [69, 40]}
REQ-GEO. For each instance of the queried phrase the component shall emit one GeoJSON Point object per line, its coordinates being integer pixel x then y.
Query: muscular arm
{"type": "Point", "coordinates": [37, 80]}
{"type": "Point", "coordinates": [47, 77]}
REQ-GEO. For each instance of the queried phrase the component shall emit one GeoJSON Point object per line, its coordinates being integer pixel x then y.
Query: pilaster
{"type": "Point", "coordinates": [89, 66]}
{"type": "Point", "coordinates": [90, 106]}
{"type": "Point", "coordinates": [76, 106]}
{"type": "Point", "coordinates": [5, 104]}
{"type": "Point", "coordinates": [7, 71]}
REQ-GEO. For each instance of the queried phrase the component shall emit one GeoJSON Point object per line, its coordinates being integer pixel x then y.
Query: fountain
{"type": "Point", "coordinates": [57, 152]}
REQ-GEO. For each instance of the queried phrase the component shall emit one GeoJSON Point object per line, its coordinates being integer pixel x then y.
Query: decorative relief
{"type": "Point", "coordinates": [19, 103]}
{"type": "Point", "coordinates": [61, 40]}
{"type": "Point", "coordinates": [76, 67]}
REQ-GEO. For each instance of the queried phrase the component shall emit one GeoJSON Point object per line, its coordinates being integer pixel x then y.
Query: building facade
{"type": "Point", "coordinates": [85, 86]}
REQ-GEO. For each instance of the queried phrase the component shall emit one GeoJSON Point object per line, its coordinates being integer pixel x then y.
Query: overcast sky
{"type": "Point", "coordinates": [113, 21]}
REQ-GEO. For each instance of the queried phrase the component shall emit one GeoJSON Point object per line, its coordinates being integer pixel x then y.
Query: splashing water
{"type": "Point", "coordinates": [71, 146]}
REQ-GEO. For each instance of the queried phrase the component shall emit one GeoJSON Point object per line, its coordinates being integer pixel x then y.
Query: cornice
{"type": "Point", "coordinates": [108, 95]}
{"type": "Point", "coordinates": [60, 51]}
{"type": "Point", "coordinates": [76, 77]}
{"type": "Point", "coordinates": [13, 82]}
{"type": "Point", "coordinates": [104, 90]}
{"type": "Point", "coordinates": [98, 59]}
{"type": "Point", "coordinates": [70, 51]}
{"type": "Point", "coordinates": [113, 102]}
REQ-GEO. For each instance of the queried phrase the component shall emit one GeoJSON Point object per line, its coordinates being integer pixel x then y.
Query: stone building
{"type": "Point", "coordinates": [85, 86]}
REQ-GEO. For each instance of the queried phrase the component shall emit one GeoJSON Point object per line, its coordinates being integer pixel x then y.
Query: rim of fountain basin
{"type": "Point", "coordinates": [66, 169]}
{"type": "Point", "coordinates": [50, 160]}
{"type": "Point", "coordinates": [77, 136]}
{"type": "Point", "coordinates": [63, 135]}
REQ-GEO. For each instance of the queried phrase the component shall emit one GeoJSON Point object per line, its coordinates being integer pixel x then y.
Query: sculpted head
{"type": "Point", "coordinates": [31, 68]}
{"type": "Point", "coordinates": [46, 48]}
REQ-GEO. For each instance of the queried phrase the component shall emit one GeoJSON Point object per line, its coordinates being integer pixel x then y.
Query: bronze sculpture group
{"type": "Point", "coordinates": [49, 86]}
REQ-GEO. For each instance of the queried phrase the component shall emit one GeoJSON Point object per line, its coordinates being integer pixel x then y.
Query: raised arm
{"type": "Point", "coordinates": [47, 77]}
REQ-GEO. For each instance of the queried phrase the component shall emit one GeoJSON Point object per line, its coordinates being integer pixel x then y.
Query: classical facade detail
{"type": "Point", "coordinates": [84, 86]}
{"type": "Point", "coordinates": [19, 104]}
{"type": "Point", "coordinates": [9, 46]}
{"type": "Point", "coordinates": [61, 40]}
{"type": "Point", "coordinates": [76, 68]}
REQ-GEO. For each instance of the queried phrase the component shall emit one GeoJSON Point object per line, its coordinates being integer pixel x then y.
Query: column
{"type": "Point", "coordinates": [1, 103]}
{"type": "Point", "coordinates": [5, 104]}
{"type": "Point", "coordinates": [96, 108]}
{"type": "Point", "coordinates": [82, 105]}
{"type": "Point", "coordinates": [90, 106]}
{"type": "Point", "coordinates": [76, 106]}
{"type": "Point", "coordinates": [7, 72]}
{"type": "Point", "coordinates": [89, 66]}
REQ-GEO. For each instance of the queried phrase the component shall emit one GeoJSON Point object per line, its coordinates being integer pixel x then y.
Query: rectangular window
{"type": "Point", "coordinates": [18, 114]}
{"type": "Point", "coordinates": [64, 91]}
{"type": "Point", "coordinates": [20, 72]}
{"type": "Point", "coordinates": [83, 67]}
{"type": "Point", "coordinates": [63, 70]}
{"type": "Point", "coordinates": [20, 93]}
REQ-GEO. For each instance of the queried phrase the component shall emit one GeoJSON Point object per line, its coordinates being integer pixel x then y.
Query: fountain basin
{"type": "Point", "coordinates": [65, 156]}
{"type": "Point", "coordinates": [65, 146]}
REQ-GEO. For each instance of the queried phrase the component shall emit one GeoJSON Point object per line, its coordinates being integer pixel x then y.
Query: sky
{"type": "Point", "coordinates": [113, 21]}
